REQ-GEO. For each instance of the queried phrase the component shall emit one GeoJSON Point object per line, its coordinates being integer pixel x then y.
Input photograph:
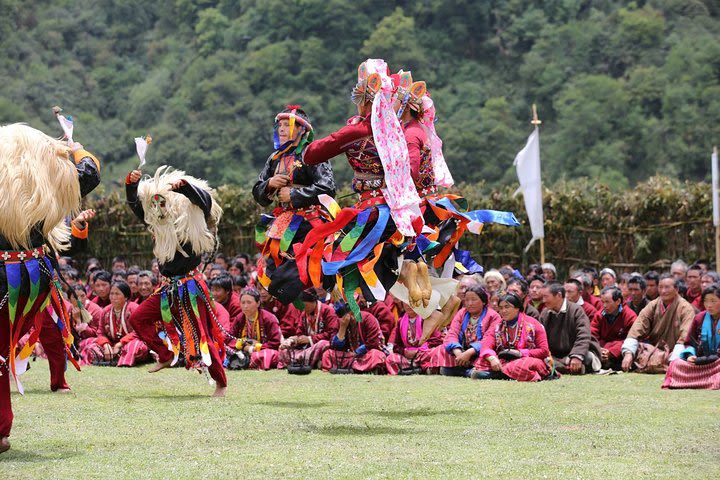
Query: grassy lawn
{"type": "Point", "coordinates": [126, 423]}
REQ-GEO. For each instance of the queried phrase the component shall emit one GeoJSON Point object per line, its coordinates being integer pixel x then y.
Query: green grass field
{"type": "Point", "coordinates": [126, 423]}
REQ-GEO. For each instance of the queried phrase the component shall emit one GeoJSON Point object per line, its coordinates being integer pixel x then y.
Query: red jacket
{"type": "Point", "coordinates": [384, 316]}
{"type": "Point", "coordinates": [321, 326]}
{"type": "Point", "coordinates": [614, 334]}
{"type": "Point", "coordinates": [232, 305]}
{"type": "Point", "coordinates": [96, 312]}
{"type": "Point", "coordinates": [287, 315]}
{"type": "Point", "coordinates": [590, 311]}
{"type": "Point", "coordinates": [594, 301]}
{"type": "Point", "coordinates": [111, 329]}
{"type": "Point", "coordinates": [270, 335]}
{"type": "Point", "coordinates": [336, 143]}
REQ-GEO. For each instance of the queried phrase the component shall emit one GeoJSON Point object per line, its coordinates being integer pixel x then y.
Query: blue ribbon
{"type": "Point", "coordinates": [363, 248]}
{"type": "Point", "coordinates": [482, 216]}
{"type": "Point", "coordinates": [464, 257]}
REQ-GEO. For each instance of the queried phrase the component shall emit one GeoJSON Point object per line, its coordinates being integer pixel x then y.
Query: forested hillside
{"type": "Point", "coordinates": [624, 89]}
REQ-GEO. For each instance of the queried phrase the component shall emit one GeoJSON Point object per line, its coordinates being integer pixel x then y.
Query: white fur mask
{"type": "Point", "coordinates": [173, 219]}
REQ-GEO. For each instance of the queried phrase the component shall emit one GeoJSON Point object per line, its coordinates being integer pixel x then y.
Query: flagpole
{"type": "Point", "coordinates": [536, 123]}
{"type": "Point", "coordinates": [717, 226]}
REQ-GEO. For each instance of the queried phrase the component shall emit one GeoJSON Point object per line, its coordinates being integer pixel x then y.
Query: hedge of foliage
{"type": "Point", "coordinates": [585, 224]}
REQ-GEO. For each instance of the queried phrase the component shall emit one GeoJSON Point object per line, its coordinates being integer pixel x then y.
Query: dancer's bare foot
{"type": "Point", "coordinates": [219, 391]}
{"type": "Point", "coordinates": [439, 318]}
{"type": "Point", "coordinates": [62, 390]}
{"type": "Point", "coordinates": [410, 277]}
{"type": "Point", "coordinates": [4, 444]}
{"type": "Point", "coordinates": [159, 366]}
{"type": "Point", "coordinates": [423, 280]}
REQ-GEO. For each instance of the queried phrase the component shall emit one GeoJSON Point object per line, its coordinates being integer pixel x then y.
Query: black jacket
{"type": "Point", "coordinates": [180, 264]}
{"type": "Point", "coordinates": [316, 180]}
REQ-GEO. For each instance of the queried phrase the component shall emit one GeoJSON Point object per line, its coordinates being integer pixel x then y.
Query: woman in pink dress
{"type": "Point", "coordinates": [116, 342]}
{"type": "Point", "coordinates": [515, 347]}
{"type": "Point", "coordinates": [254, 335]}
{"type": "Point", "coordinates": [467, 329]}
{"type": "Point", "coordinates": [408, 354]}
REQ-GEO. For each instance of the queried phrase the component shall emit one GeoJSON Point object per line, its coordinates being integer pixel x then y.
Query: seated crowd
{"type": "Point", "coordinates": [527, 327]}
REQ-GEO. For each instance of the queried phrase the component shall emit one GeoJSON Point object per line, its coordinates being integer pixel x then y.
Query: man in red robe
{"type": "Point", "coordinates": [101, 288]}
{"type": "Point", "coordinates": [384, 315]}
{"type": "Point", "coordinates": [287, 315]}
{"type": "Point", "coordinates": [573, 289]}
{"type": "Point", "coordinates": [222, 291]}
{"type": "Point", "coordinates": [611, 326]}
{"type": "Point", "coordinates": [357, 347]}
{"type": "Point", "coordinates": [317, 325]}
{"type": "Point", "coordinates": [147, 282]}
{"type": "Point", "coordinates": [587, 289]}
{"type": "Point", "coordinates": [692, 279]}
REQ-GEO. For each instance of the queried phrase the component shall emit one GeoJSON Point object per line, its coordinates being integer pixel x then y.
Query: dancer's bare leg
{"type": "Point", "coordinates": [439, 318]}
{"type": "Point", "coordinates": [4, 444]}
{"type": "Point", "coordinates": [408, 277]}
{"type": "Point", "coordinates": [159, 366]}
{"type": "Point", "coordinates": [219, 391]}
{"type": "Point", "coordinates": [423, 281]}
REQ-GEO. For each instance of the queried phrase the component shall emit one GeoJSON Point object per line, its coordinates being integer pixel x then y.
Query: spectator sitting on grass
{"type": "Point", "coordinates": [535, 297]}
{"type": "Point", "coordinates": [254, 336]}
{"type": "Point", "coordinates": [698, 365]}
{"type": "Point", "coordinates": [494, 281]}
{"type": "Point", "coordinates": [147, 283]}
{"type": "Point", "coordinates": [636, 288]}
{"type": "Point", "coordinates": [663, 323]}
{"type": "Point", "coordinates": [357, 346]}
{"type": "Point", "coordinates": [549, 271]}
{"type": "Point", "coordinates": [221, 288]}
{"type": "Point", "coordinates": [611, 326]}
{"type": "Point", "coordinates": [519, 288]}
{"type": "Point", "coordinates": [132, 280]}
{"type": "Point", "coordinates": [101, 281]}
{"type": "Point", "coordinates": [572, 346]}
{"type": "Point", "coordinates": [468, 326]}
{"type": "Point", "coordinates": [573, 287]}
{"type": "Point", "coordinates": [652, 282]}
{"type": "Point", "coordinates": [515, 347]}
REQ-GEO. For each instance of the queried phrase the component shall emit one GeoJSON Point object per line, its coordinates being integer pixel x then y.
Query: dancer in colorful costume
{"type": "Point", "coordinates": [446, 216]}
{"type": "Point", "coordinates": [365, 243]}
{"type": "Point", "coordinates": [182, 216]}
{"type": "Point", "coordinates": [294, 187]}
{"type": "Point", "coordinates": [50, 336]}
{"type": "Point", "coordinates": [42, 180]}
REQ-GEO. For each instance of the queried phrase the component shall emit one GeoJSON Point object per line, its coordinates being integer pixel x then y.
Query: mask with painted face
{"type": "Point", "coordinates": [159, 206]}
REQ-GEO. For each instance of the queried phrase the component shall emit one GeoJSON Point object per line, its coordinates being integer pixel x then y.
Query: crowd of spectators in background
{"type": "Point", "coordinates": [527, 326]}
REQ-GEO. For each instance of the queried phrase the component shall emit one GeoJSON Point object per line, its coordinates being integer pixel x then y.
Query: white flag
{"type": "Point", "coordinates": [141, 145]}
{"type": "Point", "coordinates": [527, 163]}
{"type": "Point", "coordinates": [67, 126]}
{"type": "Point", "coordinates": [715, 188]}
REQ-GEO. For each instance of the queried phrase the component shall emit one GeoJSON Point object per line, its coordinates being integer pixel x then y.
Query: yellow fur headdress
{"type": "Point", "coordinates": [173, 220]}
{"type": "Point", "coordinates": [39, 186]}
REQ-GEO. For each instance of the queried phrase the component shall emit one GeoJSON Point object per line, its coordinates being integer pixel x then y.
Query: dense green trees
{"type": "Point", "coordinates": [625, 89]}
